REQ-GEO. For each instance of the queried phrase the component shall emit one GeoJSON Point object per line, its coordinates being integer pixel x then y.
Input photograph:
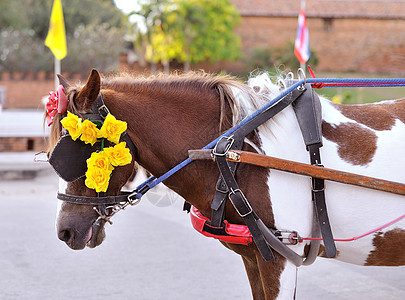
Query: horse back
{"type": "Point", "coordinates": [366, 139]}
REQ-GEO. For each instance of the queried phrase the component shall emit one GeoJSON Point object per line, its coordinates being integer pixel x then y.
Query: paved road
{"type": "Point", "coordinates": [150, 253]}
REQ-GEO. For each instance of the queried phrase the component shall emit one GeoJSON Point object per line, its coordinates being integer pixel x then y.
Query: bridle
{"type": "Point", "coordinates": [105, 205]}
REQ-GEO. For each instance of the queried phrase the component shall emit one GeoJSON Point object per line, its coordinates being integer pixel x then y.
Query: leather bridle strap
{"type": "Point", "coordinates": [107, 200]}
{"type": "Point", "coordinates": [99, 109]}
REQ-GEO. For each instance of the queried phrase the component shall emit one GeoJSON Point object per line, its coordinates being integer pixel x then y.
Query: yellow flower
{"type": "Point", "coordinates": [112, 129]}
{"type": "Point", "coordinates": [99, 160]}
{"type": "Point", "coordinates": [73, 124]}
{"type": "Point", "coordinates": [119, 155]}
{"type": "Point", "coordinates": [98, 179]}
{"type": "Point", "coordinates": [90, 132]}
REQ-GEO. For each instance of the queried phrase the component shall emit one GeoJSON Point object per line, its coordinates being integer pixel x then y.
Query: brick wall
{"type": "Point", "coordinates": [26, 93]}
{"type": "Point", "coordinates": [341, 45]}
{"type": "Point", "coordinates": [23, 144]}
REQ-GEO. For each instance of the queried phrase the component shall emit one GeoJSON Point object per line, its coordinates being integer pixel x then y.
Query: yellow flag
{"type": "Point", "coordinates": [56, 38]}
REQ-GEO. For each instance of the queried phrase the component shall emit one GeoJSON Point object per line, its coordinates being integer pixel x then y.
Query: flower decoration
{"type": "Point", "coordinates": [113, 128]}
{"type": "Point", "coordinates": [73, 124]}
{"type": "Point", "coordinates": [100, 164]}
{"type": "Point", "coordinates": [57, 103]}
{"type": "Point", "coordinates": [99, 160]}
{"type": "Point", "coordinates": [98, 179]}
{"type": "Point", "coordinates": [90, 132]}
{"type": "Point", "coordinates": [119, 154]}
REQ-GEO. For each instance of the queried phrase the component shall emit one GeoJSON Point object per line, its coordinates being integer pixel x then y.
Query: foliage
{"type": "Point", "coordinates": [285, 56]}
{"type": "Point", "coordinates": [271, 58]}
{"type": "Point", "coordinates": [76, 12]}
{"type": "Point", "coordinates": [261, 58]}
{"type": "Point", "coordinates": [24, 30]}
{"type": "Point", "coordinates": [21, 51]}
{"type": "Point", "coordinates": [94, 46]}
{"type": "Point", "coordinates": [189, 31]}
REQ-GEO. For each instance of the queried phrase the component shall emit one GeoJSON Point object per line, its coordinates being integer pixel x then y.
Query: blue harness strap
{"type": "Point", "coordinates": [328, 82]}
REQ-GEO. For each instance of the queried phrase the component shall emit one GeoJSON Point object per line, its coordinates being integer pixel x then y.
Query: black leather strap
{"type": "Point", "coordinates": [108, 200]}
{"type": "Point", "coordinates": [221, 193]}
{"type": "Point", "coordinates": [239, 135]}
{"type": "Point", "coordinates": [318, 197]}
{"type": "Point", "coordinates": [99, 107]}
{"type": "Point", "coordinates": [308, 111]}
{"type": "Point", "coordinates": [239, 201]}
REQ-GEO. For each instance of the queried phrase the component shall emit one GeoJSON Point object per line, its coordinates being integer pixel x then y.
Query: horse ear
{"type": "Point", "coordinates": [89, 93]}
{"type": "Point", "coordinates": [62, 80]}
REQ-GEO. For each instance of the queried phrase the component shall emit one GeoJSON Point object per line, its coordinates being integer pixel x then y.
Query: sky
{"type": "Point", "coordinates": [127, 5]}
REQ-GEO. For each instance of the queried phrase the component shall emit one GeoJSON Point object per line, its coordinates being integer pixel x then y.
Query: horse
{"type": "Point", "coordinates": [168, 115]}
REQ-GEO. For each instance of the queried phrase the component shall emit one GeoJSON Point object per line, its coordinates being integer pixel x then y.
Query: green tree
{"type": "Point", "coordinates": [191, 31]}
{"type": "Point", "coordinates": [76, 12]}
{"type": "Point", "coordinates": [151, 16]}
{"type": "Point", "coordinates": [94, 30]}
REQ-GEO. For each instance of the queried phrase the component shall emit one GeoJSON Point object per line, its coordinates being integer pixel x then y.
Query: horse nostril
{"type": "Point", "coordinates": [65, 235]}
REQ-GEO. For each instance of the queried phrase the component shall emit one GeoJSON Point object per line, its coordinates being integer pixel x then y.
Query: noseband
{"type": "Point", "coordinates": [105, 205]}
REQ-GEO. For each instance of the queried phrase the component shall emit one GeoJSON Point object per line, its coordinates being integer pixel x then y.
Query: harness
{"type": "Point", "coordinates": [307, 108]}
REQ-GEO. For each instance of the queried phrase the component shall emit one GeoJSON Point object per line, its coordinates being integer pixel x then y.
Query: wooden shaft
{"type": "Point", "coordinates": [315, 171]}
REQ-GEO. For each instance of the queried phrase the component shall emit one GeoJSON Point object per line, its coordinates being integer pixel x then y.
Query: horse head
{"type": "Point", "coordinates": [79, 224]}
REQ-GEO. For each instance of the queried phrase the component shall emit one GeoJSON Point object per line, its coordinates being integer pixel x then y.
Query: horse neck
{"type": "Point", "coordinates": [164, 123]}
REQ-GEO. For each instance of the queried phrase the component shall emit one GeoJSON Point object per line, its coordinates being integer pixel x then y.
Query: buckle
{"type": "Point", "coordinates": [233, 156]}
{"type": "Point", "coordinates": [133, 198]}
{"type": "Point", "coordinates": [288, 237]}
{"type": "Point", "coordinates": [245, 202]}
{"type": "Point", "coordinates": [229, 144]}
{"type": "Point", "coordinates": [103, 111]}
{"type": "Point", "coordinates": [317, 184]}
{"type": "Point", "coordinates": [41, 157]}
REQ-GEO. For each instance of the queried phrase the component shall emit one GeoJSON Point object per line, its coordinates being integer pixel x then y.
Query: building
{"type": "Point", "coordinates": [21, 136]}
{"type": "Point", "coordinates": [347, 35]}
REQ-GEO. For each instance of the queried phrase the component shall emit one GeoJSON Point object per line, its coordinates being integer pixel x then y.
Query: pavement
{"type": "Point", "coordinates": [150, 252]}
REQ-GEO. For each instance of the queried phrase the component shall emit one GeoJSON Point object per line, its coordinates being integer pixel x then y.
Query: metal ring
{"type": "Point", "coordinates": [290, 76]}
{"type": "Point", "coordinates": [301, 76]}
{"type": "Point", "coordinates": [281, 83]}
{"type": "Point", "coordinates": [228, 146]}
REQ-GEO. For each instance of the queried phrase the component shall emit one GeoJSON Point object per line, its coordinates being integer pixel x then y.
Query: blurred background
{"type": "Point", "coordinates": [356, 38]}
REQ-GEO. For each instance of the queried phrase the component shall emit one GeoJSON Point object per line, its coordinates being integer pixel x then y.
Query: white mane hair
{"type": "Point", "coordinates": [260, 90]}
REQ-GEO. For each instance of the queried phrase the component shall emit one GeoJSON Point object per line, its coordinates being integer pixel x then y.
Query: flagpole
{"type": "Point", "coordinates": [57, 69]}
{"type": "Point", "coordinates": [56, 38]}
{"type": "Point", "coordinates": [302, 65]}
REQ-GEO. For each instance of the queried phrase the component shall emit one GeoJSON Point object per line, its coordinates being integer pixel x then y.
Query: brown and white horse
{"type": "Point", "coordinates": [167, 116]}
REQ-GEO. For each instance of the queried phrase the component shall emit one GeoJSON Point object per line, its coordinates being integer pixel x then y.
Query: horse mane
{"type": "Point", "coordinates": [56, 127]}
{"type": "Point", "coordinates": [176, 83]}
{"type": "Point", "coordinates": [242, 99]}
